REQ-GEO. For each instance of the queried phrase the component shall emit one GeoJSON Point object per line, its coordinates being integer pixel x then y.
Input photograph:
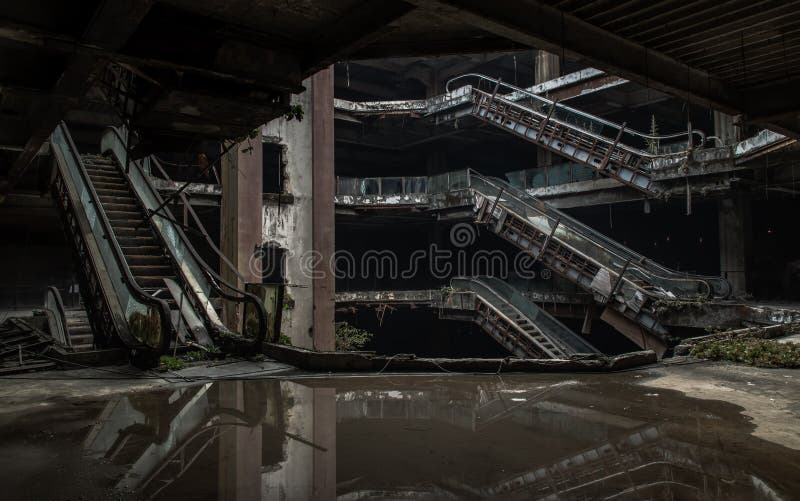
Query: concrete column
{"type": "Point", "coordinates": [241, 216]}
{"type": "Point", "coordinates": [305, 227]}
{"type": "Point", "coordinates": [324, 217]}
{"type": "Point", "coordinates": [725, 129]}
{"type": "Point", "coordinates": [735, 234]}
{"type": "Point", "coordinates": [239, 470]}
{"type": "Point", "coordinates": [548, 67]}
{"type": "Point", "coordinates": [229, 230]}
{"type": "Point", "coordinates": [325, 438]}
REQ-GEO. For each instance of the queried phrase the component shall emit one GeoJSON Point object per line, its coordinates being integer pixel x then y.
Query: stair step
{"type": "Point", "coordinates": [133, 241]}
{"type": "Point", "coordinates": [117, 206]}
{"type": "Point", "coordinates": [102, 184]}
{"type": "Point", "coordinates": [132, 231]}
{"type": "Point", "coordinates": [126, 198]}
{"type": "Point", "coordinates": [110, 192]}
{"type": "Point", "coordinates": [142, 250]}
{"type": "Point", "coordinates": [134, 218]}
{"type": "Point", "coordinates": [144, 259]}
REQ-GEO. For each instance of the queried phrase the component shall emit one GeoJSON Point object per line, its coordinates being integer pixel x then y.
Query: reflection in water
{"type": "Point", "coordinates": [524, 438]}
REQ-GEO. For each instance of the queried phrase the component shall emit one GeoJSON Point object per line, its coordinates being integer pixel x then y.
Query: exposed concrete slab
{"type": "Point", "coordinates": [365, 362]}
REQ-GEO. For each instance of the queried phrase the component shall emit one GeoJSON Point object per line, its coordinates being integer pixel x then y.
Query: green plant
{"type": "Point", "coordinates": [295, 112]}
{"type": "Point", "coordinates": [350, 338]}
{"type": "Point", "coordinates": [288, 301]}
{"type": "Point", "coordinates": [172, 363]}
{"type": "Point", "coordinates": [195, 356]}
{"type": "Point", "coordinates": [750, 351]}
{"type": "Point", "coordinates": [285, 340]}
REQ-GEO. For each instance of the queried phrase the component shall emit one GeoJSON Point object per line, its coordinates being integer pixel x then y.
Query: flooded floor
{"type": "Point", "coordinates": [618, 436]}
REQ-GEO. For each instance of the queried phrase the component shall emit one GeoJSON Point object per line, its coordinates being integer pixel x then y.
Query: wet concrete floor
{"type": "Point", "coordinates": [618, 436]}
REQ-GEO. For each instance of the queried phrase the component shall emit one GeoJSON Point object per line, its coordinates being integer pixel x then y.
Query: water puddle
{"type": "Point", "coordinates": [526, 437]}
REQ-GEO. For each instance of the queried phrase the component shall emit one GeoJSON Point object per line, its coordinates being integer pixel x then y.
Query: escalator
{"type": "Point", "coordinates": [617, 276]}
{"type": "Point", "coordinates": [611, 149]}
{"type": "Point", "coordinates": [143, 282]}
{"type": "Point", "coordinates": [518, 324]}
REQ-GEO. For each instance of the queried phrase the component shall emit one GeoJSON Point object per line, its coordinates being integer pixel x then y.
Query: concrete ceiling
{"type": "Point", "coordinates": [203, 68]}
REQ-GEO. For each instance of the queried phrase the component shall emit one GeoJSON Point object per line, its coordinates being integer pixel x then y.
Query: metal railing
{"type": "Point", "coordinates": [592, 125]}
{"type": "Point", "coordinates": [381, 186]}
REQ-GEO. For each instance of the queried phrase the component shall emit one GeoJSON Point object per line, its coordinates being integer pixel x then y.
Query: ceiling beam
{"type": "Point", "coordinates": [113, 23]}
{"type": "Point", "coordinates": [536, 24]}
{"type": "Point", "coordinates": [361, 25]}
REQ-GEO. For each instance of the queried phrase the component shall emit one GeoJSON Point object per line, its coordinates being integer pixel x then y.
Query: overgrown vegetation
{"type": "Point", "coordinates": [664, 306]}
{"type": "Point", "coordinates": [750, 351]}
{"type": "Point", "coordinates": [288, 301]}
{"type": "Point", "coordinates": [350, 338]}
{"type": "Point", "coordinates": [295, 112]}
{"type": "Point", "coordinates": [171, 363]}
{"type": "Point", "coordinates": [179, 362]}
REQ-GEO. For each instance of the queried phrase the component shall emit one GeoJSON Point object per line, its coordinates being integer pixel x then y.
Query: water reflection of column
{"type": "Point", "coordinates": [308, 470]}
{"type": "Point", "coordinates": [239, 449]}
{"type": "Point", "coordinates": [325, 440]}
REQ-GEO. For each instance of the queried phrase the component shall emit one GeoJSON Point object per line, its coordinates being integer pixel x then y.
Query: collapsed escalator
{"type": "Point", "coordinates": [618, 277]}
{"type": "Point", "coordinates": [518, 324]}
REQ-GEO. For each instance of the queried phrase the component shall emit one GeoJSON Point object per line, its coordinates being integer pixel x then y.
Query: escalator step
{"type": "Point", "coordinates": [144, 259]}
{"type": "Point", "coordinates": [109, 192]}
{"type": "Point", "coordinates": [125, 207]}
{"type": "Point", "coordinates": [131, 231]}
{"type": "Point", "coordinates": [118, 199]}
{"type": "Point", "coordinates": [102, 184]}
{"type": "Point", "coordinates": [119, 215]}
{"type": "Point", "coordinates": [142, 250]}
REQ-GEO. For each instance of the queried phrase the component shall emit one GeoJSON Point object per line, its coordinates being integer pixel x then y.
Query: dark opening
{"type": "Point", "coordinates": [272, 178]}
{"type": "Point", "coordinates": [273, 259]}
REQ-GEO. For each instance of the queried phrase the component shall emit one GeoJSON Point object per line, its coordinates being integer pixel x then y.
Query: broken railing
{"type": "Point", "coordinates": [381, 186]}
{"type": "Point", "coordinates": [612, 149]}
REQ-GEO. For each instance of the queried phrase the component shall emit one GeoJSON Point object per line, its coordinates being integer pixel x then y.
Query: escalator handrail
{"type": "Point", "coordinates": [213, 278]}
{"type": "Point", "coordinates": [549, 102]}
{"type": "Point", "coordinates": [185, 199]}
{"type": "Point", "coordinates": [586, 232]}
{"type": "Point", "coordinates": [60, 312]}
{"type": "Point", "coordinates": [167, 329]}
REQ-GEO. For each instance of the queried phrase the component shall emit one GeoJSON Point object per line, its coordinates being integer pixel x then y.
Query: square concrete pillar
{"type": "Point", "coordinates": [735, 235]}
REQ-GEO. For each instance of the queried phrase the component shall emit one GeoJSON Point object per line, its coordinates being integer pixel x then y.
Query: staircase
{"type": "Point", "coordinates": [79, 330]}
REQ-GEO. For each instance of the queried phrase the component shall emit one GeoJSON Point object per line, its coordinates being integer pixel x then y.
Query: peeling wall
{"type": "Point", "coordinates": [290, 225]}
